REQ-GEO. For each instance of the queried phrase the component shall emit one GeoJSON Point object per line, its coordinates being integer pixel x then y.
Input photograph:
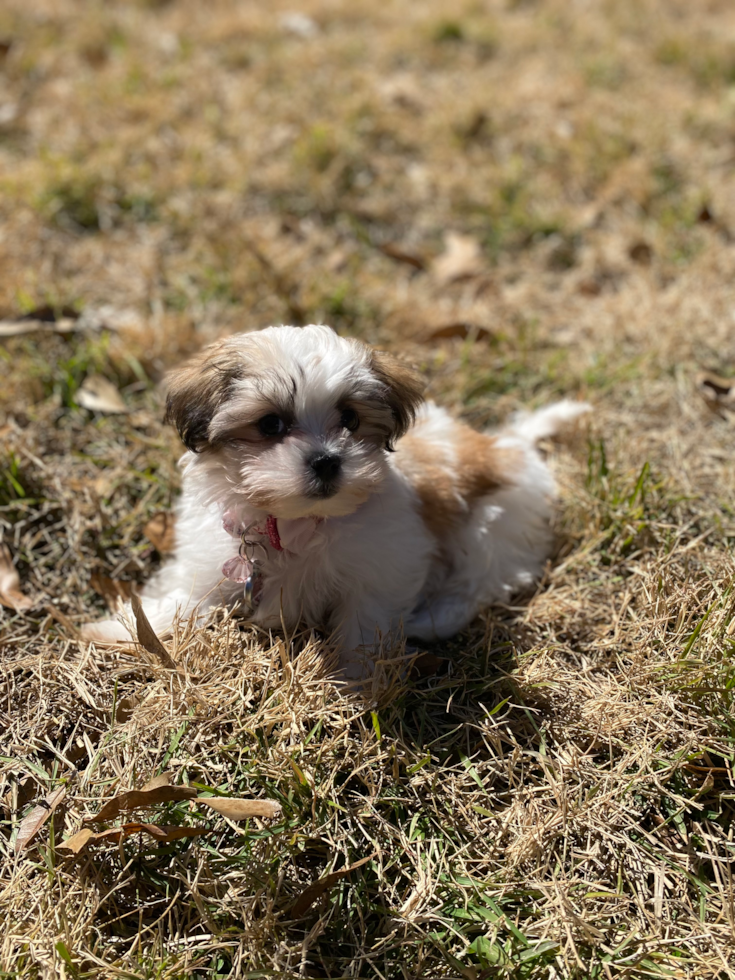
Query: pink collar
{"type": "Point", "coordinates": [271, 527]}
{"type": "Point", "coordinates": [288, 535]}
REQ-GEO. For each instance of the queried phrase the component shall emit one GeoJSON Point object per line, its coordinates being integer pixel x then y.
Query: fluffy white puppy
{"type": "Point", "coordinates": [319, 488]}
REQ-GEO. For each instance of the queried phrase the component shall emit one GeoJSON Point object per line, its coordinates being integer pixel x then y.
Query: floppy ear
{"type": "Point", "coordinates": [404, 391]}
{"type": "Point", "coordinates": [197, 389]}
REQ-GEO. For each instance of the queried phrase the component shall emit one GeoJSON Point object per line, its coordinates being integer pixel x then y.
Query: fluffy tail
{"type": "Point", "coordinates": [533, 426]}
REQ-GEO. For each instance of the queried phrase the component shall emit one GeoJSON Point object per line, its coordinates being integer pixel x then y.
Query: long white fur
{"type": "Point", "coordinates": [371, 561]}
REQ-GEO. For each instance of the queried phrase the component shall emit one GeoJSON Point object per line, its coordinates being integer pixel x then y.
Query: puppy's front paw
{"type": "Point", "coordinates": [106, 632]}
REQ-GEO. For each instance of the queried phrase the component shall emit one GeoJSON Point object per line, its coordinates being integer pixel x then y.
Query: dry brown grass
{"type": "Point", "coordinates": [554, 797]}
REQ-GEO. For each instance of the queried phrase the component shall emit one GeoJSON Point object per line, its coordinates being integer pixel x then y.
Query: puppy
{"type": "Point", "coordinates": [319, 488]}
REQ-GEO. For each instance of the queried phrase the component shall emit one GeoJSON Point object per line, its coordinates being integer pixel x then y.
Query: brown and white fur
{"type": "Point", "coordinates": [300, 424]}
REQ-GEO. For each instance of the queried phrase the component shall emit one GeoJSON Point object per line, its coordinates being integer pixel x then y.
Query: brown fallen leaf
{"type": "Point", "coordinates": [427, 665]}
{"type": "Point", "coordinates": [114, 592]}
{"type": "Point", "coordinates": [100, 395]}
{"type": "Point", "coordinates": [641, 252]}
{"type": "Point", "coordinates": [75, 843]}
{"type": "Point", "coordinates": [164, 834]}
{"type": "Point", "coordinates": [124, 709]}
{"type": "Point", "coordinates": [160, 531]}
{"type": "Point", "coordinates": [147, 636]}
{"type": "Point", "coordinates": [138, 798]}
{"type": "Point", "coordinates": [461, 259]}
{"type": "Point", "coordinates": [235, 809]}
{"type": "Point", "coordinates": [156, 782]}
{"type": "Point", "coordinates": [317, 888]}
{"type": "Point", "coordinates": [461, 329]}
{"type": "Point", "coordinates": [718, 392]}
{"type": "Point", "coordinates": [399, 254]}
{"type": "Point", "coordinates": [10, 594]}
{"type": "Point", "coordinates": [23, 794]}
{"type": "Point", "coordinates": [716, 386]}
{"type": "Point", "coordinates": [33, 821]}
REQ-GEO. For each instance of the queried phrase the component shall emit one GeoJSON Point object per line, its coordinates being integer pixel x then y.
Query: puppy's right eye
{"type": "Point", "coordinates": [271, 425]}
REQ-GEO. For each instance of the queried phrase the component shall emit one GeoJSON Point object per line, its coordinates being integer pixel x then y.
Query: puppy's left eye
{"type": "Point", "coordinates": [272, 425]}
{"type": "Point", "coordinates": [349, 419]}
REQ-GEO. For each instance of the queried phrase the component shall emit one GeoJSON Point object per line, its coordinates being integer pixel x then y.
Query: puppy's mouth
{"type": "Point", "coordinates": [323, 491]}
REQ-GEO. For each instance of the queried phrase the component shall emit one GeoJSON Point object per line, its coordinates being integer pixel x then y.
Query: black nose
{"type": "Point", "coordinates": [325, 466]}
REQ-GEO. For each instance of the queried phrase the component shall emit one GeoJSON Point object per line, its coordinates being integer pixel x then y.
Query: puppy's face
{"type": "Point", "coordinates": [298, 419]}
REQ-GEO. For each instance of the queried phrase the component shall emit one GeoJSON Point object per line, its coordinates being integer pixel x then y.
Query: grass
{"type": "Point", "coordinates": [548, 795]}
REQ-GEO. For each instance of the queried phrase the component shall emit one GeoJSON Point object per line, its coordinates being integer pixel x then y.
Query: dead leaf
{"type": "Point", "coordinates": [716, 385]}
{"type": "Point", "coordinates": [75, 843]}
{"type": "Point", "coordinates": [164, 834]}
{"type": "Point", "coordinates": [317, 888]}
{"type": "Point", "coordinates": [161, 531]}
{"type": "Point", "coordinates": [100, 395]}
{"type": "Point", "coordinates": [147, 637]}
{"type": "Point", "coordinates": [461, 259]}
{"type": "Point", "coordinates": [124, 709]}
{"type": "Point", "coordinates": [641, 252]}
{"type": "Point", "coordinates": [427, 665]}
{"type": "Point", "coordinates": [23, 794]}
{"type": "Point", "coordinates": [135, 798]}
{"type": "Point", "coordinates": [114, 592]}
{"type": "Point", "coordinates": [400, 254]}
{"type": "Point", "coordinates": [404, 91]}
{"type": "Point", "coordinates": [459, 328]}
{"type": "Point", "coordinates": [33, 821]}
{"type": "Point", "coordinates": [10, 594]}
{"type": "Point", "coordinates": [591, 286]}
{"type": "Point", "coordinates": [235, 809]}
{"type": "Point", "coordinates": [718, 392]}
{"type": "Point", "coordinates": [156, 782]}
{"type": "Point", "coordinates": [294, 22]}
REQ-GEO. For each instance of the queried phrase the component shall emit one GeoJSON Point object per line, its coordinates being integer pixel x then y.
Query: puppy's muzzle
{"type": "Point", "coordinates": [325, 468]}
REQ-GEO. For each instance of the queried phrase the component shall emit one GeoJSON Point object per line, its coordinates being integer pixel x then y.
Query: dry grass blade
{"type": "Point", "coordinates": [315, 890]}
{"type": "Point", "coordinates": [34, 821]}
{"type": "Point", "coordinates": [235, 809]}
{"type": "Point", "coordinates": [10, 593]}
{"type": "Point", "coordinates": [18, 328]}
{"type": "Point", "coordinates": [147, 636]}
{"type": "Point", "coordinates": [138, 798]}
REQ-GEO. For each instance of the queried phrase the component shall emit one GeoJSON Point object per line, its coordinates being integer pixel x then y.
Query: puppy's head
{"type": "Point", "coordinates": [296, 420]}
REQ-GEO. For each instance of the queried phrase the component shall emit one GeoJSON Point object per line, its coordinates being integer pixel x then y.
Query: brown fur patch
{"type": "Point", "coordinates": [447, 490]}
{"type": "Point", "coordinates": [198, 388]}
{"type": "Point", "coordinates": [405, 390]}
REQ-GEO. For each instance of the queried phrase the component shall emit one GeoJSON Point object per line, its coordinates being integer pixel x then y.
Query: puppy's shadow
{"type": "Point", "coordinates": [453, 685]}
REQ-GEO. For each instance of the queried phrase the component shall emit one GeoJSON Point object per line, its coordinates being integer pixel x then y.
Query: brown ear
{"type": "Point", "coordinates": [198, 388]}
{"type": "Point", "coordinates": [405, 391]}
